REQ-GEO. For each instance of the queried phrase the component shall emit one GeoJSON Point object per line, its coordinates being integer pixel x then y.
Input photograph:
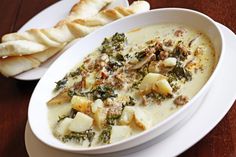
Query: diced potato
{"type": "Point", "coordinates": [169, 62]}
{"type": "Point", "coordinates": [63, 127]}
{"type": "Point", "coordinates": [100, 117]}
{"type": "Point", "coordinates": [119, 133]}
{"type": "Point", "coordinates": [81, 104]}
{"type": "Point", "coordinates": [81, 122]}
{"type": "Point", "coordinates": [127, 115]}
{"type": "Point", "coordinates": [142, 119]}
{"type": "Point", "coordinates": [149, 80]}
{"type": "Point", "coordinates": [97, 103]}
{"type": "Point", "coordinates": [163, 87]}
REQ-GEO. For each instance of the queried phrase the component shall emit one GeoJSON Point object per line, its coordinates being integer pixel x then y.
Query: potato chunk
{"type": "Point", "coordinates": [81, 122]}
{"type": "Point", "coordinates": [149, 80]}
{"type": "Point", "coordinates": [127, 115]}
{"type": "Point", "coordinates": [142, 119]}
{"type": "Point", "coordinates": [81, 104]}
{"type": "Point", "coordinates": [63, 127]}
{"type": "Point", "coordinates": [119, 133]}
{"type": "Point", "coordinates": [100, 117]}
{"type": "Point", "coordinates": [97, 103]}
{"type": "Point", "coordinates": [169, 62]}
{"type": "Point", "coordinates": [163, 87]}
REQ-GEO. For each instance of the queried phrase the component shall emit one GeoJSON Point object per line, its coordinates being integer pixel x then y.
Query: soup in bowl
{"type": "Point", "coordinates": [128, 82]}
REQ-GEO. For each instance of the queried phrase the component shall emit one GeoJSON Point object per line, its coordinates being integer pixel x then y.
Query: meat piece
{"type": "Point", "coordinates": [178, 33]}
{"type": "Point", "coordinates": [181, 100]}
{"type": "Point", "coordinates": [163, 55]}
{"type": "Point", "coordinates": [181, 52]}
{"type": "Point", "coordinates": [158, 46]}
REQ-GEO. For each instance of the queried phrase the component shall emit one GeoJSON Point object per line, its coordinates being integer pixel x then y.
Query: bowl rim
{"type": "Point", "coordinates": [163, 122]}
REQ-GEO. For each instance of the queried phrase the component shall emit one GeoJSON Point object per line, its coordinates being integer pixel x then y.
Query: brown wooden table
{"type": "Point", "coordinates": [15, 95]}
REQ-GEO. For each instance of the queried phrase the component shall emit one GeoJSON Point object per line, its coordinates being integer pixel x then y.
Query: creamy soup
{"type": "Point", "coordinates": [130, 83]}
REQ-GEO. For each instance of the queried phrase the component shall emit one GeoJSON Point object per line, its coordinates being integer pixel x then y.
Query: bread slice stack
{"type": "Point", "coordinates": [23, 51]}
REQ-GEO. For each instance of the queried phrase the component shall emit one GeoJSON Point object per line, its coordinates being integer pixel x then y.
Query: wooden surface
{"type": "Point", "coordinates": [15, 95]}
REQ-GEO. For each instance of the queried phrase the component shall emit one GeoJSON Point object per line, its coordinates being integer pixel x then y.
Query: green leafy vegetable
{"type": "Point", "coordinates": [103, 92]}
{"type": "Point", "coordinates": [180, 52]}
{"type": "Point", "coordinates": [61, 83]}
{"type": "Point", "coordinates": [77, 72]}
{"type": "Point", "coordinates": [114, 44]}
{"type": "Point", "coordinates": [114, 65]}
{"type": "Point", "coordinates": [70, 115]}
{"type": "Point", "coordinates": [105, 135]}
{"type": "Point", "coordinates": [131, 102]}
{"type": "Point", "coordinates": [180, 72]}
{"type": "Point", "coordinates": [120, 57]}
{"type": "Point", "coordinates": [80, 136]}
{"type": "Point", "coordinates": [113, 115]}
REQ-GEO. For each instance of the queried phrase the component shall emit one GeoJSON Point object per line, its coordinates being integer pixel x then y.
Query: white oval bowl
{"type": "Point", "coordinates": [38, 110]}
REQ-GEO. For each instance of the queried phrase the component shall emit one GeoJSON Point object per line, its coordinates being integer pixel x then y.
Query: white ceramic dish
{"type": "Point", "coordinates": [47, 18]}
{"type": "Point", "coordinates": [42, 93]}
{"type": "Point", "coordinates": [164, 146]}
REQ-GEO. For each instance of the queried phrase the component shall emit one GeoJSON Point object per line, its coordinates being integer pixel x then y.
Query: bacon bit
{"type": "Point", "coordinates": [164, 55]}
{"type": "Point", "coordinates": [168, 43]}
{"type": "Point", "coordinates": [181, 100]}
{"type": "Point", "coordinates": [104, 75]}
{"type": "Point", "coordinates": [178, 33]}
